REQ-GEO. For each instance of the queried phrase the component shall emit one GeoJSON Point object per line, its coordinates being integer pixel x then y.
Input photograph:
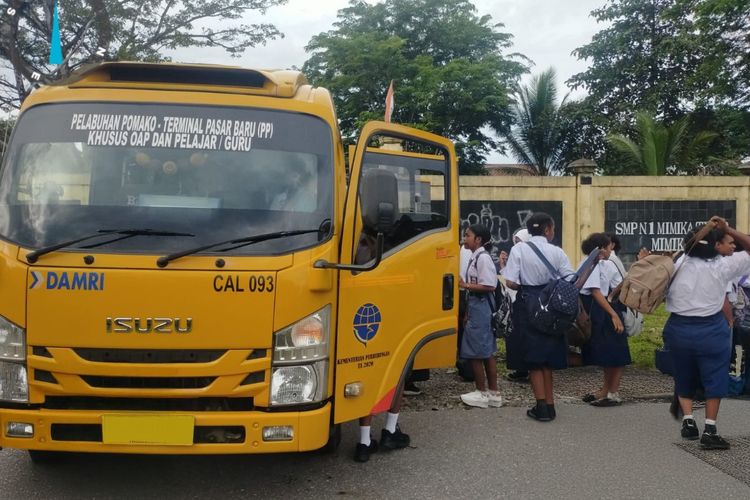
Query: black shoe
{"type": "Point", "coordinates": [605, 402]}
{"type": "Point", "coordinates": [517, 376]}
{"type": "Point", "coordinates": [362, 452]}
{"type": "Point", "coordinates": [394, 440]}
{"type": "Point", "coordinates": [411, 389]}
{"type": "Point", "coordinates": [712, 441]}
{"type": "Point", "coordinates": [689, 429]}
{"type": "Point", "coordinates": [588, 398]}
{"type": "Point", "coordinates": [552, 412]}
{"type": "Point", "coordinates": [539, 412]}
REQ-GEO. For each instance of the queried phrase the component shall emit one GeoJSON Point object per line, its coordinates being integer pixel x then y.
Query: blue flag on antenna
{"type": "Point", "coordinates": [55, 50]}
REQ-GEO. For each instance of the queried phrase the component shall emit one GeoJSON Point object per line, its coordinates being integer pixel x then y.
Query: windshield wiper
{"type": "Point", "coordinates": [241, 242]}
{"type": "Point", "coordinates": [32, 257]}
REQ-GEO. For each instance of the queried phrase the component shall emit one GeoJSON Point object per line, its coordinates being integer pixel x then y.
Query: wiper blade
{"type": "Point", "coordinates": [32, 257]}
{"type": "Point", "coordinates": [239, 242]}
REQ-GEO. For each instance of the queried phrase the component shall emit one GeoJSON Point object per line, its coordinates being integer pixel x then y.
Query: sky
{"type": "Point", "coordinates": [545, 31]}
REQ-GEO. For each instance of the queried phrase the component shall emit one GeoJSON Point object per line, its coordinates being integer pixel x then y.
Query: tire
{"type": "Point", "coordinates": [40, 457]}
{"type": "Point", "coordinates": [334, 439]}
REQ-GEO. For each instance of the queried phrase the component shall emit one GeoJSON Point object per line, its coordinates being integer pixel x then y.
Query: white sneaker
{"type": "Point", "coordinates": [475, 398]}
{"type": "Point", "coordinates": [614, 396]}
{"type": "Point", "coordinates": [494, 399]}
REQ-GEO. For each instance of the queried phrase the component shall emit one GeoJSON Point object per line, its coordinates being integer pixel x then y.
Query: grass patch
{"type": "Point", "coordinates": [643, 346]}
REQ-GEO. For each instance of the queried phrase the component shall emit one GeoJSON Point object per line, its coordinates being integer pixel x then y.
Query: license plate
{"type": "Point", "coordinates": [148, 430]}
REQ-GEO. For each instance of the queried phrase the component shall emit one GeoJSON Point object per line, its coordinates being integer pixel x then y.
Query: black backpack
{"type": "Point", "coordinates": [502, 308]}
{"type": "Point", "coordinates": [556, 309]}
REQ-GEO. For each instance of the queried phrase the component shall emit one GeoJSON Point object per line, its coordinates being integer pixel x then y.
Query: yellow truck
{"type": "Point", "coordinates": [188, 267]}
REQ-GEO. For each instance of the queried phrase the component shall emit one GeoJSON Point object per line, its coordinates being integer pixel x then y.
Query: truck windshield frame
{"type": "Point", "coordinates": [219, 172]}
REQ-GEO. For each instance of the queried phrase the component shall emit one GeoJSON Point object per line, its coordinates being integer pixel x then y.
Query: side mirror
{"type": "Point", "coordinates": [379, 195]}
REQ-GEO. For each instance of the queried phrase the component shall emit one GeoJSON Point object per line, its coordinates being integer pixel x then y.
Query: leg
{"type": "Point", "coordinates": [366, 445]}
{"type": "Point", "coordinates": [490, 368]}
{"type": "Point", "coordinates": [536, 377]}
{"type": "Point", "coordinates": [391, 436]}
{"type": "Point", "coordinates": [477, 365]}
{"type": "Point", "coordinates": [712, 408]}
{"type": "Point", "coordinates": [549, 395]}
{"type": "Point", "coordinates": [615, 375]}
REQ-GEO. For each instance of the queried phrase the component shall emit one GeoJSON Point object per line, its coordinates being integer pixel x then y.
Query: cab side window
{"type": "Point", "coordinates": [422, 193]}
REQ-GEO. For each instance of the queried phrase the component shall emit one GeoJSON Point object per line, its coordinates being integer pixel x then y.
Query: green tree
{"type": "Point", "coordinates": [724, 33]}
{"type": "Point", "coordinates": [661, 149]}
{"type": "Point", "coordinates": [92, 30]}
{"type": "Point", "coordinates": [645, 59]}
{"type": "Point", "coordinates": [537, 135]}
{"type": "Point", "coordinates": [451, 76]}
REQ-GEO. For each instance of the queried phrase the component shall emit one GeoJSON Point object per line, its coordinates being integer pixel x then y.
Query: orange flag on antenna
{"type": "Point", "coordinates": [389, 102]}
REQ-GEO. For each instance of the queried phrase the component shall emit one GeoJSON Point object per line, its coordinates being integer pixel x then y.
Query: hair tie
{"type": "Point", "coordinates": [535, 225]}
{"type": "Point", "coordinates": [703, 242]}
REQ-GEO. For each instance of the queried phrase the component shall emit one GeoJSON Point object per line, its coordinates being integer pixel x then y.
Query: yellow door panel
{"type": "Point", "coordinates": [405, 304]}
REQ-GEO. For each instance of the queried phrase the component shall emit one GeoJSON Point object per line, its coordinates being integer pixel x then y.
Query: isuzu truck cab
{"type": "Point", "coordinates": [187, 265]}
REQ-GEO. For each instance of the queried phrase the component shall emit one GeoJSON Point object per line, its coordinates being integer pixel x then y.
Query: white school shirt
{"type": "Point", "coordinates": [605, 277]}
{"type": "Point", "coordinates": [484, 273]}
{"type": "Point", "coordinates": [526, 268]}
{"type": "Point", "coordinates": [617, 262]}
{"type": "Point", "coordinates": [701, 285]}
{"type": "Point", "coordinates": [464, 257]}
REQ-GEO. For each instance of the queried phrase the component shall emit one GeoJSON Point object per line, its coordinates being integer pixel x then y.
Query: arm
{"type": "Point", "coordinates": [602, 301]}
{"type": "Point", "coordinates": [741, 238]}
{"type": "Point", "coordinates": [726, 309]}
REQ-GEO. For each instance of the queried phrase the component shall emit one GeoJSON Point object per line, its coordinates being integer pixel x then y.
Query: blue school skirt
{"type": "Point", "coordinates": [538, 350]}
{"type": "Point", "coordinates": [478, 341]}
{"type": "Point", "coordinates": [607, 348]}
{"type": "Point", "coordinates": [700, 348]}
{"type": "Point", "coordinates": [514, 343]}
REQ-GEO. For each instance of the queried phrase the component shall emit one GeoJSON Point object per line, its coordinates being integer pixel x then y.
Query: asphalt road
{"type": "Point", "coordinates": [624, 452]}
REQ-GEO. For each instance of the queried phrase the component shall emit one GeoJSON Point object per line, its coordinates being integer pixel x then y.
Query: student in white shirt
{"type": "Point", "coordinates": [478, 343]}
{"type": "Point", "coordinates": [517, 370]}
{"type": "Point", "coordinates": [526, 272]}
{"type": "Point", "coordinates": [697, 332]}
{"type": "Point", "coordinates": [608, 346]}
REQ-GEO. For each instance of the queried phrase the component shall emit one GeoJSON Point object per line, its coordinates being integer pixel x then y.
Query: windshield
{"type": "Point", "coordinates": [218, 173]}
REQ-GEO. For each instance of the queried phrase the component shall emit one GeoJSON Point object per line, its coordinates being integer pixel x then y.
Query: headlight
{"type": "Point", "coordinates": [299, 384]}
{"type": "Point", "coordinates": [304, 341]}
{"type": "Point", "coordinates": [12, 341]}
{"type": "Point", "coordinates": [300, 360]}
{"type": "Point", "coordinates": [14, 384]}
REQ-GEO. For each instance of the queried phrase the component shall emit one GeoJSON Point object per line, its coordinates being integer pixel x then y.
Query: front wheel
{"type": "Point", "coordinates": [334, 439]}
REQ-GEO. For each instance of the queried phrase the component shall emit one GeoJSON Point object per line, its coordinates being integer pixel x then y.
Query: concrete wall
{"type": "Point", "coordinates": [645, 211]}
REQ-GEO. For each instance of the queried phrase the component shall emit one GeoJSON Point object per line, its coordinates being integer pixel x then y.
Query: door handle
{"type": "Point", "coordinates": [448, 281]}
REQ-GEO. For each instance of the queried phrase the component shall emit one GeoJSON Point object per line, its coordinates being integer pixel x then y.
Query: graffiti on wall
{"type": "Point", "coordinates": [504, 218]}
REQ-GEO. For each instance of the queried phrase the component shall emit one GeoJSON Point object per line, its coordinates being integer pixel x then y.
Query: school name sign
{"type": "Point", "coordinates": [661, 226]}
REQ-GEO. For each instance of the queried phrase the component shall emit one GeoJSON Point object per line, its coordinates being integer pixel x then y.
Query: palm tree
{"type": "Point", "coordinates": [537, 136]}
{"type": "Point", "coordinates": [661, 148]}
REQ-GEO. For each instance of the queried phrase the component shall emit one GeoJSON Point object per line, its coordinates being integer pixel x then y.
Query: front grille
{"type": "Point", "coordinates": [92, 433]}
{"type": "Point", "coordinates": [147, 404]}
{"type": "Point", "coordinates": [148, 382]}
{"type": "Point", "coordinates": [44, 376]}
{"type": "Point", "coordinates": [149, 356]}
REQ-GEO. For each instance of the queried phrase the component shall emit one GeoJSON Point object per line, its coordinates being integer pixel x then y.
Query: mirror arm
{"type": "Point", "coordinates": [379, 243]}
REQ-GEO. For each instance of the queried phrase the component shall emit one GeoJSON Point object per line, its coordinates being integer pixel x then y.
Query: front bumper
{"type": "Point", "coordinates": [311, 431]}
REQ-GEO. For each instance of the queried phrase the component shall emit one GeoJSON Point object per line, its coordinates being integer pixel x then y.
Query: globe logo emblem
{"type": "Point", "coordinates": [366, 322]}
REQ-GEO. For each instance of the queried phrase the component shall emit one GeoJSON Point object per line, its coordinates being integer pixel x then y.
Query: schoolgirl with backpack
{"type": "Point", "coordinates": [697, 331]}
{"type": "Point", "coordinates": [478, 343]}
{"type": "Point", "coordinates": [608, 345]}
{"type": "Point", "coordinates": [539, 351]}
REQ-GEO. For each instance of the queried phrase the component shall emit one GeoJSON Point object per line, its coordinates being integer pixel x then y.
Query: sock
{"type": "Point", "coordinates": [390, 422]}
{"type": "Point", "coordinates": [710, 422]}
{"type": "Point", "coordinates": [540, 403]}
{"type": "Point", "coordinates": [687, 417]}
{"type": "Point", "coordinates": [364, 435]}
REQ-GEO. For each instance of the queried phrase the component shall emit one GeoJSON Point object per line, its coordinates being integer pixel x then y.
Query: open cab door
{"type": "Point", "coordinates": [398, 266]}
